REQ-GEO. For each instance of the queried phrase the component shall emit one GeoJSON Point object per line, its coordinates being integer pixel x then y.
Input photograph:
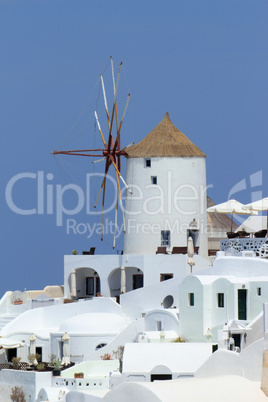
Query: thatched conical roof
{"type": "Point", "coordinates": [165, 140]}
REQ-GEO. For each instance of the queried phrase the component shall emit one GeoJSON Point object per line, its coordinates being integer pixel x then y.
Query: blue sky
{"type": "Point", "coordinates": [203, 61]}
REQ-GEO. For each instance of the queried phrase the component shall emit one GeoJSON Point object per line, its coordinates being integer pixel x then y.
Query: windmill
{"type": "Point", "coordinates": [111, 152]}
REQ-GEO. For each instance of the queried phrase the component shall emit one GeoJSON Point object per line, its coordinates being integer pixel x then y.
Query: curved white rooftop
{"type": "Point", "coordinates": [240, 266]}
{"type": "Point", "coordinates": [94, 323]}
{"type": "Point", "coordinates": [220, 389]}
{"type": "Point", "coordinates": [44, 320]}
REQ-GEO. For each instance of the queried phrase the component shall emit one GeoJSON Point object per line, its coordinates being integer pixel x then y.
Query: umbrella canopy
{"type": "Point", "coordinates": [253, 224]}
{"type": "Point", "coordinates": [231, 207]}
{"type": "Point", "coordinates": [261, 205]}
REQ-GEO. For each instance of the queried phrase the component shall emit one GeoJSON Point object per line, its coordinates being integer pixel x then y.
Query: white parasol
{"type": "Point", "coordinates": [123, 279]}
{"type": "Point", "coordinates": [231, 207]}
{"type": "Point", "coordinates": [32, 340]}
{"type": "Point", "coordinates": [253, 224]}
{"type": "Point", "coordinates": [66, 349]}
{"type": "Point", "coordinates": [190, 251]}
{"type": "Point", "coordinates": [73, 283]}
{"type": "Point", "coordinates": [261, 205]}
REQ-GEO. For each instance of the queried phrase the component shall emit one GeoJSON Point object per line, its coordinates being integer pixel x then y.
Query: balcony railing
{"type": "Point", "coordinates": [237, 245]}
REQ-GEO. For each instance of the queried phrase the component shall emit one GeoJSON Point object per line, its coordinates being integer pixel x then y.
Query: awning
{"type": "Point", "coordinates": [10, 343]}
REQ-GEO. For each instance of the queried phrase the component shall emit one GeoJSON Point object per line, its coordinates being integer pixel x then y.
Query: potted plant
{"type": "Point", "coordinates": [40, 367]}
{"type": "Point", "coordinates": [18, 301]}
{"type": "Point", "coordinates": [16, 363]}
{"type": "Point", "coordinates": [106, 356]}
{"type": "Point", "coordinates": [57, 367]}
{"type": "Point", "coordinates": [78, 375]}
{"type": "Point", "coordinates": [32, 360]}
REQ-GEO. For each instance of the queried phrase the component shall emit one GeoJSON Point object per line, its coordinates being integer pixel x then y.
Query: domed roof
{"type": "Point", "coordinates": [94, 323]}
{"type": "Point", "coordinates": [165, 140]}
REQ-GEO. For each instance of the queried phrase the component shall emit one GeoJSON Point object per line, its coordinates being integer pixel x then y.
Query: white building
{"type": "Point", "coordinates": [161, 299]}
{"type": "Point", "coordinates": [167, 175]}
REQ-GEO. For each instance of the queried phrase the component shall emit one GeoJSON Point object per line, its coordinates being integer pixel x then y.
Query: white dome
{"type": "Point", "coordinates": [94, 323]}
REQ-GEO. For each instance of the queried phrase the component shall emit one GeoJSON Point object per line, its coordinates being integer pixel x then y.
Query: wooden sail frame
{"type": "Point", "coordinates": [111, 152]}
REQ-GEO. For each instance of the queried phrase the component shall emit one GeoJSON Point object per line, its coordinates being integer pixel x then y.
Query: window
{"type": "Point", "coordinates": [90, 286]}
{"type": "Point", "coordinates": [100, 345]}
{"type": "Point", "coordinates": [165, 277]}
{"type": "Point", "coordinates": [98, 284]}
{"type": "Point", "coordinates": [11, 353]}
{"type": "Point", "coordinates": [137, 281]}
{"type": "Point", "coordinates": [237, 340]}
{"type": "Point", "coordinates": [165, 238]}
{"type": "Point", "coordinates": [191, 299]}
{"type": "Point", "coordinates": [93, 285]}
{"type": "Point", "coordinates": [242, 304]}
{"type": "Point", "coordinates": [60, 351]}
{"type": "Point", "coordinates": [39, 351]}
{"type": "Point", "coordinates": [154, 179]}
{"type": "Point", "coordinates": [194, 234]}
{"type": "Point", "coordinates": [160, 377]}
{"type": "Point", "coordinates": [147, 163]}
{"type": "Point", "coordinates": [158, 325]}
{"type": "Point", "coordinates": [220, 299]}
{"type": "Point", "coordinates": [258, 291]}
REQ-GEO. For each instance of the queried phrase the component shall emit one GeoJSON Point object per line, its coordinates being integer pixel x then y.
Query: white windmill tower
{"type": "Point", "coordinates": [167, 174]}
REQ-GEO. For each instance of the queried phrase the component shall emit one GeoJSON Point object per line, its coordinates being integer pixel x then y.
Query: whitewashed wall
{"type": "Point", "coordinates": [178, 198]}
{"type": "Point", "coordinates": [108, 268]}
{"type": "Point", "coordinates": [191, 317]}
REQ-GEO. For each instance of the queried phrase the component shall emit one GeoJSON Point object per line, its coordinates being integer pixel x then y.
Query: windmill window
{"type": "Point", "coordinates": [147, 163]}
{"type": "Point", "coordinates": [191, 299]}
{"type": "Point", "coordinates": [220, 299]}
{"type": "Point", "coordinates": [259, 291]}
{"type": "Point", "coordinates": [154, 179]}
{"type": "Point", "coordinates": [165, 238]}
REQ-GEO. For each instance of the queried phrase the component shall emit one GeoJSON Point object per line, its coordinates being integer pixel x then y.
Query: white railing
{"type": "Point", "coordinates": [237, 245]}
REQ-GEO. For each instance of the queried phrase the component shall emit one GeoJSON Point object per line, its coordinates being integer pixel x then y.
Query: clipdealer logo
{"type": "Point", "coordinates": [151, 200]}
{"type": "Point", "coordinates": [48, 197]}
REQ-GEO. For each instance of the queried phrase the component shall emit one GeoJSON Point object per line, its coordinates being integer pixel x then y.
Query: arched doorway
{"type": "Point", "coordinates": [87, 283]}
{"type": "Point", "coordinates": [134, 280]}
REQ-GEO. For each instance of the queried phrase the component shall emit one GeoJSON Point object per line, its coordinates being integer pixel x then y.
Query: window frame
{"type": "Point", "coordinates": [165, 240]}
{"type": "Point", "coordinates": [220, 299]}
{"type": "Point", "coordinates": [147, 162]}
{"type": "Point", "coordinates": [191, 299]}
{"type": "Point", "coordinates": [154, 180]}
